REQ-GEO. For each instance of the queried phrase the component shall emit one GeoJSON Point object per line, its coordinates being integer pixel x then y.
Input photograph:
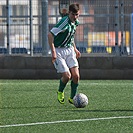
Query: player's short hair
{"type": "Point", "coordinates": [74, 8]}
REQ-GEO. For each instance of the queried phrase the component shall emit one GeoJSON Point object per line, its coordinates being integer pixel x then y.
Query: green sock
{"type": "Point", "coordinates": [61, 86]}
{"type": "Point", "coordinates": [73, 89]}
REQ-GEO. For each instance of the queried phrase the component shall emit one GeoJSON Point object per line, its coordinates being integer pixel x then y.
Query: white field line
{"type": "Point", "coordinates": [66, 121]}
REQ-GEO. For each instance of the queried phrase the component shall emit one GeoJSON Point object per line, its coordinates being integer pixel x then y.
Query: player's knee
{"type": "Point", "coordinates": [67, 77]}
{"type": "Point", "coordinates": [76, 77]}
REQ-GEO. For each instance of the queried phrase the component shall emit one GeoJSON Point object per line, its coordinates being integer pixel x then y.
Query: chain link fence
{"type": "Point", "coordinates": [105, 26]}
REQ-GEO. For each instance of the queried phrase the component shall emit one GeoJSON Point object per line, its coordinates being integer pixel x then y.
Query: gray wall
{"type": "Point", "coordinates": [20, 67]}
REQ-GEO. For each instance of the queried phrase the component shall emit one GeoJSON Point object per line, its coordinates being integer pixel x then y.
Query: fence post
{"type": "Point", "coordinates": [131, 34]}
{"type": "Point", "coordinates": [31, 29]}
{"type": "Point", "coordinates": [45, 27]}
{"type": "Point", "coordinates": [8, 26]}
{"type": "Point", "coordinates": [117, 27]}
{"type": "Point", "coordinates": [122, 27]}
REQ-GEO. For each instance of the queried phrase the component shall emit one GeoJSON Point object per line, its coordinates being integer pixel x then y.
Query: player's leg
{"type": "Point", "coordinates": [74, 82]}
{"type": "Point", "coordinates": [61, 66]}
{"type": "Point", "coordinates": [63, 81]}
{"type": "Point", "coordinates": [73, 67]}
{"type": "Point", "coordinates": [75, 74]}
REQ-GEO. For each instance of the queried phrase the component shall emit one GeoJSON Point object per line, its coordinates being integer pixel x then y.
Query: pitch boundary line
{"type": "Point", "coordinates": [66, 121]}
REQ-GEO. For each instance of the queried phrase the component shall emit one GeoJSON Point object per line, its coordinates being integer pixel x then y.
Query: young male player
{"type": "Point", "coordinates": [65, 53]}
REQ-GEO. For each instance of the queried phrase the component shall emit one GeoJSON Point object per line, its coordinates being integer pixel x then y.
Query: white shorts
{"type": "Point", "coordinates": [66, 59]}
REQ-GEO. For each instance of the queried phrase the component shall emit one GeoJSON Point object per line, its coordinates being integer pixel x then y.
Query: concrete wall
{"type": "Point", "coordinates": [20, 67]}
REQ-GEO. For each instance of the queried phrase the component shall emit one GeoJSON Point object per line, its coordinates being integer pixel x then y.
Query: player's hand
{"type": "Point", "coordinates": [78, 54]}
{"type": "Point", "coordinates": [53, 56]}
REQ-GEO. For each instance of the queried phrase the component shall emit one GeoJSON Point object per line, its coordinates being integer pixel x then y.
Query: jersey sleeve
{"type": "Point", "coordinates": [60, 26]}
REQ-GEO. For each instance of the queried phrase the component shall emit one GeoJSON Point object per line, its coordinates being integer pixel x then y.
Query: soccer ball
{"type": "Point", "coordinates": [80, 100]}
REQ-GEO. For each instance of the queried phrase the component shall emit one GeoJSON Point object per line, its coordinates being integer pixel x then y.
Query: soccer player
{"type": "Point", "coordinates": [65, 53]}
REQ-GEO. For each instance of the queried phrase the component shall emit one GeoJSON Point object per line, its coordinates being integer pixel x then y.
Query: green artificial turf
{"type": "Point", "coordinates": [35, 101]}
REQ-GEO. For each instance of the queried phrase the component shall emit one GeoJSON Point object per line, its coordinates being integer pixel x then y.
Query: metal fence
{"type": "Point", "coordinates": [105, 26]}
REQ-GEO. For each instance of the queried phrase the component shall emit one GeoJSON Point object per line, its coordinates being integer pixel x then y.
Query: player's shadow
{"type": "Point", "coordinates": [117, 110]}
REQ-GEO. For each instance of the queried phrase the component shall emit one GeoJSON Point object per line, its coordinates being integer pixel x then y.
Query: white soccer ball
{"type": "Point", "coordinates": [80, 100]}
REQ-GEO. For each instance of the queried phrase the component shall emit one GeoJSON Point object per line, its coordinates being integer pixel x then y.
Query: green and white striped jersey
{"type": "Point", "coordinates": [64, 32]}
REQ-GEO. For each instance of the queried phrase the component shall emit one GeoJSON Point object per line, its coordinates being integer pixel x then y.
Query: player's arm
{"type": "Point", "coordinates": [78, 54]}
{"type": "Point", "coordinates": [51, 44]}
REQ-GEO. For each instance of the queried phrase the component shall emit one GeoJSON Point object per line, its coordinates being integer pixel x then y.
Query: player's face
{"type": "Point", "coordinates": [73, 16]}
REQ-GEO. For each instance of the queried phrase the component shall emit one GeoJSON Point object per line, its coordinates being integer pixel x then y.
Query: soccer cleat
{"type": "Point", "coordinates": [70, 100]}
{"type": "Point", "coordinates": [60, 97]}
